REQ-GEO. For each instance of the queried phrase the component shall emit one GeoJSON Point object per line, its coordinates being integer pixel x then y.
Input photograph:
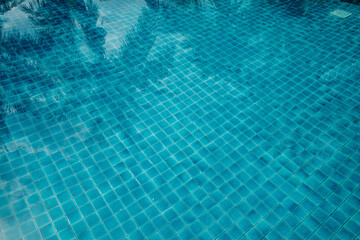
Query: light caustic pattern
{"type": "Point", "coordinates": [179, 119]}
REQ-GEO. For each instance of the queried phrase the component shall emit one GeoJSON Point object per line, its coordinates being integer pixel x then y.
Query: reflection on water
{"type": "Point", "coordinates": [156, 81]}
{"type": "Point", "coordinates": [7, 5]}
{"type": "Point", "coordinates": [70, 35]}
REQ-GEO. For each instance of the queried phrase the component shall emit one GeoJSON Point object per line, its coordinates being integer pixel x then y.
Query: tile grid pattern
{"type": "Point", "coordinates": [249, 136]}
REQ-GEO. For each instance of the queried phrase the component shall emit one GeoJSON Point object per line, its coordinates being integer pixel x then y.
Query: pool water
{"type": "Point", "coordinates": [175, 119]}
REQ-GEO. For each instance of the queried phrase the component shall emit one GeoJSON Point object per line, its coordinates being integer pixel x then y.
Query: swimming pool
{"type": "Point", "coordinates": [179, 119]}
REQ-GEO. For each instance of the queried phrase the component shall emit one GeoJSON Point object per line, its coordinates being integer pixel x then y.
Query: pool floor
{"type": "Point", "coordinates": [179, 119]}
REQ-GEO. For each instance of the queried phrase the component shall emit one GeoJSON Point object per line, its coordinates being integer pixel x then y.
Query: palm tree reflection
{"type": "Point", "coordinates": [59, 23]}
{"type": "Point", "coordinates": [210, 35]}
{"type": "Point", "coordinates": [298, 8]}
{"type": "Point", "coordinates": [60, 26]}
{"type": "Point", "coordinates": [46, 56]}
{"type": "Point", "coordinates": [227, 6]}
{"type": "Point", "coordinates": [7, 5]}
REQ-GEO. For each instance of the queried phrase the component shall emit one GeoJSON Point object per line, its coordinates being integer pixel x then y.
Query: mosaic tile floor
{"type": "Point", "coordinates": [179, 119]}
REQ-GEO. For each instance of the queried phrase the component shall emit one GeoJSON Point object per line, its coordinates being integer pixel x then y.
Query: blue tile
{"type": "Point", "coordinates": [186, 234]}
{"type": "Point", "coordinates": [129, 226]}
{"type": "Point", "coordinates": [215, 230]}
{"type": "Point", "coordinates": [47, 231]}
{"type": "Point", "coordinates": [85, 235]}
{"type": "Point", "coordinates": [67, 233]}
{"type": "Point", "coordinates": [13, 233]}
{"type": "Point", "coordinates": [167, 232]}
{"type": "Point", "coordinates": [42, 220]}
{"type": "Point", "coordinates": [27, 228]}
{"type": "Point", "coordinates": [23, 216]}
{"type": "Point", "coordinates": [206, 123]}
{"type": "Point", "coordinates": [205, 235]}
{"type": "Point", "coordinates": [148, 229]}
{"type": "Point", "coordinates": [80, 227]}
{"type": "Point", "coordinates": [33, 235]}
{"type": "Point", "coordinates": [98, 231]}
{"type": "Point", "coordinates": [92, 220]}
{"type": "Point", "coordinates": [117, 233]}
{"type": "Point", "coordinates": [177, 224]}
{"type": "Point", "coordinates": [5, 212]}
{"type": "Point", "coordinates": [74, 216]}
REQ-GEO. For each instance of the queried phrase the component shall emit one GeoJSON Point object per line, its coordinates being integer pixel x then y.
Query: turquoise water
{"type": "Point", "coordinates": [179, 119]}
